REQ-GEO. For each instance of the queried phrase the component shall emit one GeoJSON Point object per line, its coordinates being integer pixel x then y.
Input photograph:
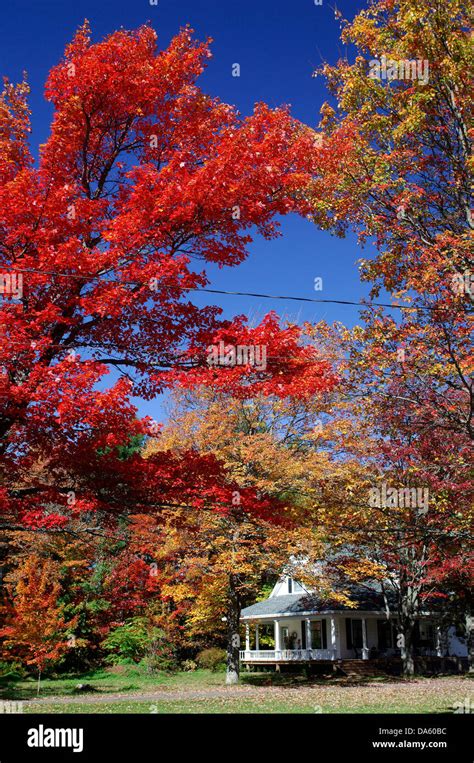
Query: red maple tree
{"type": "Point", "coordinates": [142, 174]}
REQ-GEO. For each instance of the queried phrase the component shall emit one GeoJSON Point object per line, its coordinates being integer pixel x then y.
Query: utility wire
{"type": "Point", "coordinates": [368, 303]}
{"type": "Point", "coordinates": [317, 301]}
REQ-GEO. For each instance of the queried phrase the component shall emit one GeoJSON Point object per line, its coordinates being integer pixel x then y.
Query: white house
{"type": "Point", "coordinates": [303, 628]}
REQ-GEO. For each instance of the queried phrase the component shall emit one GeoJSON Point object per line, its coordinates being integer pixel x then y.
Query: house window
{"type": "Point", "coordinates": [385, 634]}
{"type": "Point", "coordinates": [318, 634]}
{"type": "Point", "coordinates": [424, 635]}
{"type": "Point", "coordinates": [354, 633]}
{"type": "Point", "coordinates": [303, 634]}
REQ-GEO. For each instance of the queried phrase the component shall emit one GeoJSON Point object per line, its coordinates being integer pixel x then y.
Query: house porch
{"type": "Point", "coordinates": [331, 638]}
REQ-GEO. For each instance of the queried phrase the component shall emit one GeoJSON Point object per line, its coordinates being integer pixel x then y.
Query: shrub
{"type": "Point", "coordinates": [189, 665]}
{"type": "Point", "coordinates": [138, 641]}
{"type": "Point", "coordinates": [128, 641]}
{"type": "Point", "coordinates": [12, 670]}
{"type": "Point", "coordinates": [211, 659]}
{"type": "Point", "coordinates": [160, 656]}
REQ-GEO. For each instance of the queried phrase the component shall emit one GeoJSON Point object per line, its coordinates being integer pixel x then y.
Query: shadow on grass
{"type": "Point", "coordinates": [293, 681]}
{"type": "Point", "coordinates": [104, 681]}
{"type": "Point", "coordinates": [16, 688]}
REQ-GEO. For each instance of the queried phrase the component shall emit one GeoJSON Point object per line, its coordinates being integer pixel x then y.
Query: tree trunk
{"type": "Point", "coordinates": [233, 635]}
{"type": "Point", "coordinates": [411, 575]}
{"type": "Point", "coordinates": [408, 609]}
{"type": "Point", "coordinates": [408, 649]}
{"type": "Point", "coordinates": [470, 640]}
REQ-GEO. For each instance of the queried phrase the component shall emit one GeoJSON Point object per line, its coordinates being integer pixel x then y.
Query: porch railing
{"type": "Point", "coordinates": [286, 655]}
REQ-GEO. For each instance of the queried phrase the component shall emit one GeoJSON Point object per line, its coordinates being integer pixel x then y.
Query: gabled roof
{"type": "Point", "coordinates": [364, 599]}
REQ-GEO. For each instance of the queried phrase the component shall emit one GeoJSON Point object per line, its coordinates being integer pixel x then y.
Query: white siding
{"type": "Point", "coordinates": [294, 626]}
{"type": "Point", "coordinates": [456, 646]}
{"type": "Point", "coordinates": [281, 588]}
{"type": "Point", "coordinates": [372, 636]}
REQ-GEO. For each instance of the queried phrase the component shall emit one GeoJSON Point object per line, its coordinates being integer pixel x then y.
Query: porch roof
{"type": "Point", "coordinates": [307, 603]}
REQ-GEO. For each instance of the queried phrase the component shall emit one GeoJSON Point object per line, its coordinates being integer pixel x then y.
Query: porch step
{"type": "Point", "coordinates": [360, 668]}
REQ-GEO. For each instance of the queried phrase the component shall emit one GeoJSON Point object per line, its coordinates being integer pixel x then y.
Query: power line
{"type": "Point", "coordinates": [317, 301]}
{"type": "Point", "coordinates": [257, 295]}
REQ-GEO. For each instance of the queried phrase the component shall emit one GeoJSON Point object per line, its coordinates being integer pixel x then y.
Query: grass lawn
{"type": "Point", "coordinates": [112, 680]}
{"type": "Point", "coordinates": [133, 691]}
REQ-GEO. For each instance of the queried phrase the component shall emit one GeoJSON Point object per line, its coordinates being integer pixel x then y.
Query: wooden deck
{"type": "Point", "coordinates": [391, 666]}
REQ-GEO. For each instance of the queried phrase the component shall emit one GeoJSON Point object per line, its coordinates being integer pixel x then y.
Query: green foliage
{"type": "Point", "coordinates": [137, 641]}
{"type": "Point", "coordinates": [11, 670]}
{"type": "Point", "coordinates": [266, 636]}
{"type": "Point", "coordinates": [265, 591]}
{"type": "Point", "coordinates": [124, 452]}
{"type": "Point", "coordinates": [130, 641]}
{"type": "Point", "coordinates": [134, 446]}
{"type": "Point", "coordinates": [211, 659]}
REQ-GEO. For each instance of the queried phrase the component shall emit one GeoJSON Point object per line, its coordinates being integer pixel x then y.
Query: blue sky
{"type": "Point", "coordinates": [278, 45]}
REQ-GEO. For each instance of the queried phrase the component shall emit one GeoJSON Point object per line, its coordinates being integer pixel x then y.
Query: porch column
{"type": "Point", "coordinates": [365, 649]}
{"type": "Point", "coordinates": [276, 624]}
{"type": "Point", "coordinates": [247, 637]}
{"type": "Point", "coordinates": [439, 641]}
{"type": "Point", "coordinates": [257, 637]}
{"type": "Point", "coordinates": [333, 635]}
{"type": "Point", "coordinates": [309, 644]}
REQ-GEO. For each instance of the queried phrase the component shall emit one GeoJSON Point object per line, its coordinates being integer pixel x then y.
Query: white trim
{"type": "Point", "coordinates": [277, 635]}
{"type": "Point", "coordinates": [287, 655]}
{"type": "Point", "coordinates": [343, 613]}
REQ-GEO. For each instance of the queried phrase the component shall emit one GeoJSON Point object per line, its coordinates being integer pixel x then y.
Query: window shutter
{"type": "Point", "coordinates": [348, 633]}
{"type": "Point", "coordinates": [325, 636]}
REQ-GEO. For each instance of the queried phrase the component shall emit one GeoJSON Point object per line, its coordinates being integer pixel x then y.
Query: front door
{"type": "Point", "coordinates": [357, 639]}
{"type": "Point", "coordinates": [354, 638]}
{"type": "Point", "coordinates": [303, 634]}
